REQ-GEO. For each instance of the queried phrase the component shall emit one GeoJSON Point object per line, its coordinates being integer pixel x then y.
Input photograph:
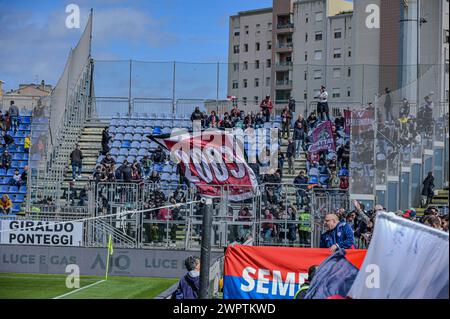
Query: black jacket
{"type": "Point", "coordinates": [76, 156]}
{"type": "Point", "coordinates": [290, 150]}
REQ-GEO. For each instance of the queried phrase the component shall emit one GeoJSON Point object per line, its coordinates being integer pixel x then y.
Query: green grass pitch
{"type": "Point", "coordinates": [32, 286]}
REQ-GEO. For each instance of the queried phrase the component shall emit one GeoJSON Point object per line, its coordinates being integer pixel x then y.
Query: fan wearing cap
{"type": "Point", "coordinates": [410, 214]}
{"type": "Point", "coordinates": [266, 107]}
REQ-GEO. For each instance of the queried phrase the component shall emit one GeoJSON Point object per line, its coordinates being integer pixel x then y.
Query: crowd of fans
{"type": "Point", "coordinates": [9, 122]}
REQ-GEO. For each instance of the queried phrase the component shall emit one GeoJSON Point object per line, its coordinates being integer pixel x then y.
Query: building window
{"type": "Point", "coordinates": [235, 84]}
{"type": "Point", "coordinates": [319, 36]}
{"type": "Point", "coordinates": [256, 99]}
{"type": "Point", "coordinates": [256, 82]}
{"type": "Point", "coordinates": [257, 26]}
{"type": "Point", "coordinates": [268, 63]}
{"type": "Point", "coordinates": [268, 81]}
{"type": "Point", "coordinates": [336, 93]}
{"type": "Point", "coordinates": [306, 37]}
{"type": "Point", "coordinates": [269, 26]}
{"type": "Point", "coordinates": [446, 36]}
{"type": "Point", "coordinates": [306, 19]}
{"type": "Point", "coordinates": [305, 76]}
{"type": "Point", "coordinates": [305, 95]}
{"type": "Point", "coordinates": [244, 100]}
{"type": "Point", "coordinates": [337, 34]}
{"type": "Point", "coordinates": [349, 72]}
{"type": "Point", "coordinates": [236, 34]}
{"type": "Point", "coordinates": [235, 66]}
{"type": "Point", "coordinates": [306, 56]}
{"type": "Point", "coordinates": [349, 52]}
{"type": "Point", "coordinates": [246, 29]}
{"type": "Point", "coordinates": [244, 82]}
{"type": "Point", "coordinates": [257, 46]}
{"type": "Point", "coordinates": [318, 55]}
{"type": "Point", "coordinates": [269, 45]}
{"type": "Point", "coordinates": [317, 74]}
{"type": "Point", "coordinates": [336, 73]}
{"type": "Point", "coordinates": [245, 47]}
{"type": "Point", "coordinates": [319, 16]}
{"type": "Point", "coordinates": [256, 64]}
{"type": "Point", "coordinates": [349, 92]}
{"type": "Point", "coordinates": [245, 66]}
{"type": "Point", "coordinates": [336, 53]}
{"type": "Point", "coordinates": [236, 49]}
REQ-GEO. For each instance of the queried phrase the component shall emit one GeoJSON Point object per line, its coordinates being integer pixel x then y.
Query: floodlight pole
{"type": "Point", "coordinates": [205, 252]}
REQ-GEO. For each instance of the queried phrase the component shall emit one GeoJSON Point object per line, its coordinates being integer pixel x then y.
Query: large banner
{"type": "Point", "coordinates": [213, 159]}
{"type": "Point", "coordinates": [32, 232]}
{"type": "Point", "coordinates": [257, 272]}
{"type": "Point", "coordinates": [323, 138]}
{"type": "Point", "coordinates": [405, 260]}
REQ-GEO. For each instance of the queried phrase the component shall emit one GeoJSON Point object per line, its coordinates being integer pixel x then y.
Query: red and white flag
{"type": "Point", "coordinates": [213, 161]}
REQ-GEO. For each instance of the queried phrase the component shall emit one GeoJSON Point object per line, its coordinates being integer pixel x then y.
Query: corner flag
{"type": "Point", "coordinates": [110, 252]}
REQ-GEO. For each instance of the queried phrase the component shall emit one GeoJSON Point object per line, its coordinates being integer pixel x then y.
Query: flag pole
{"type": "Point", "coordinates": [110, 252]}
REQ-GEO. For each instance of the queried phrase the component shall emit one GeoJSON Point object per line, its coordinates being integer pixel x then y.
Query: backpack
{"type": "Point", "coordinates": [344, 182]}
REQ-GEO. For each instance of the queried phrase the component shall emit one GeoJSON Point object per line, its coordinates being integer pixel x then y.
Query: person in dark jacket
{"type": "Point", "coordinates": [290, 153]}
{"type": "Point", "coordinates": [105, 140]}
{"type": "Point", "coordinates": [7, 139]}
{"type": "Point", "coordinates": [108, 162]}
{"type": "Point", "coordinates": [76, 159]}
{"type": "Point", "coordinates": [299, 137]}
{"type": "Point", "coordinates": [388, 105]}
{"type": "Point", "coordinates": [5, 161]}
{"type": "Point", "coordinates": [339, 234]}
{"type": "Point", "coordinates": [301, 293]}
{"type": "Point", "coordinates": [197, 115]}
{"type": "Point", "coordinates": [428, 189]}
{"type": "Point", "coordinates": [301, 184]}
{"type": "Point", "coordinates": [189, 285]}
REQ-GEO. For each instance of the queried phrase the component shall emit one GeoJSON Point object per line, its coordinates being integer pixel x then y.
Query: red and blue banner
{"type": "Point", "coordinates": [323, 138]}
{"type": "Point", "coordinates": [258, 272]}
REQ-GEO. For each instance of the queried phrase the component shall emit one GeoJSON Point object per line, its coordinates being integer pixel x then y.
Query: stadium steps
{"type": "Point", "coordinates": [440, 201]}
{"type": "Point", "coordinates": [90, 144]}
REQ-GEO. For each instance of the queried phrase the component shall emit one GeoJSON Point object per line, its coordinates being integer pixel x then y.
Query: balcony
{"type": "Point", "coordinates": [283, 66]}
{"type": "Point", "coordinates": [285, 47]}
{"type": "Point", "coordinates": [284, 84]}
{"type": "Point", "coordinates": [286, 27]}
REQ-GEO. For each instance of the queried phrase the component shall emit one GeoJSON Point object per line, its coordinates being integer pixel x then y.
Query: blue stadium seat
{"type": "Point", "coordinates": [174, 178]}
{"type": "Point", "coordinates": [100, 158]}
{"type": "Point", "coordinates": [18, 198]}
{"type": "Point", "coordinates": [114, 122]}
{"type": "Point", "coordinates": [25, 119]}
{"type": "Point", "coordinates": [129, 130]}
{"type": "Point", "coordinates": [153, 145]}
{"type": "Point", "coordinates": [116, 143]}
{"type": "Point", "coordinates": [15, 164]}
{"type": "Point", "coordinates": [139, 158]}
{"type": "Point", "coordinates": [24, 127]}
{"type": "Point", "coordinates": [166, 130]}
{"type": "Point", "coordinates": [119, 159]}
{"type": "Point", "coordinates": [144, 138]}
{"type": "Point", "coordinates": [18, 140]}
{"type": "Point", "coordinates": [132, 123]}
{"type": "Point", "coordinates": [10, 172]}
{"type": "Point", "coordinates": [13, 189]}
{"type": "Point", "coordinates": [23, 189]}
{"type": "Point", "coordinates": [124, 151]}
{"type": "Point", "coordinates": [133, 152]}
{"type": "Point", "coordinates": [128, 137]}
{"type": "Point", "coordinates": [126, 143]}
{"type": "Point", "coordinates": [135, 144]}
{"type": "Point", "coordinates": [142, 151]}
{"type": "Point", "coordinates": [131, 159]}
{"type": "Point", "coordinates": [137, 137]}
{"type": "Point", "coordinates": [118, 137]}
{"type": "Point", "coordinates": [4, 180]}
{"type": "Point", "coordinates": [123, 123]}
{"type": "Point", "coordinates": [17, 156]}
{"type": "Point", "coordinates": [114, 151]}
{"type": "Point", "coordinates": [2, 172]}
{"type": "Point", "coordinates": [165, 177]}
{"type": "Point", "coordinates": [139, 130]}
{"type": "Point", "coordinates": [16, 208]}
{"type": "Point", "coordinates": [120, 129]}
{"type": "Point", "coordinates": [112, 129]}
{"type": "Point", "coordinates": [4, 189]}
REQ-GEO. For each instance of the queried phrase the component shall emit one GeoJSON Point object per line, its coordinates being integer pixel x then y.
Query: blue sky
{"type": "Point", "coordinates": [35, 42]}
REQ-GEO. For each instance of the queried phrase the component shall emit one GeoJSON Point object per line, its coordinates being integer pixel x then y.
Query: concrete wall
{"type": "Point", "coordinates": [92, 261]}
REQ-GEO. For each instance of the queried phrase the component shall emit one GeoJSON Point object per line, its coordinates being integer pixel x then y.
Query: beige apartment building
{"type": "Point", "coordinates": [329, 42]}
{"type": "Point", "coordinates": [26, 96]}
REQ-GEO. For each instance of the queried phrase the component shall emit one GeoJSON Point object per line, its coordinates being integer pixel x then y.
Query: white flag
{"type": "Point", "coordinates": [405, 260]}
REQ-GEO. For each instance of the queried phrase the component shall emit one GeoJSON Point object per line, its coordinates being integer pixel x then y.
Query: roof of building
{"type": "Point", "coordinates": [255, 11]}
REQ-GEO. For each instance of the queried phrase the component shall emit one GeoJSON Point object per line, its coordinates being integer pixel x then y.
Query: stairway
{"type": "Point", "coordinates": [90, 145]}
{"type": "Point", "coordinates": [440, 201]}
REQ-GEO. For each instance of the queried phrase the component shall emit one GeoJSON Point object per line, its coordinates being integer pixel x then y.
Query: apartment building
{"type": "Point", "coordinates": [250, 56]}
{"type": "Point", "coordinates": [322, 50]}
{"type": "Point", "coordinates": [329, 42]}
